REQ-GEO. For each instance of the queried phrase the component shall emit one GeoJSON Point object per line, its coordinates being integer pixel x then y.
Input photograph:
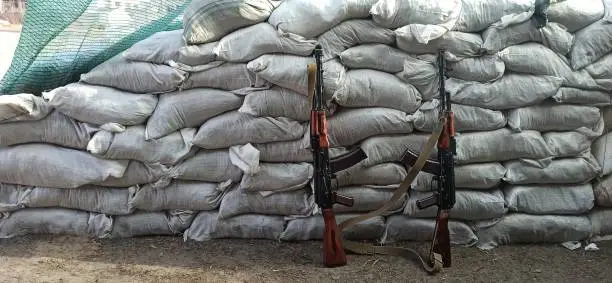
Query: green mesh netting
{"type": "Point", "coordinates": [62, 39]}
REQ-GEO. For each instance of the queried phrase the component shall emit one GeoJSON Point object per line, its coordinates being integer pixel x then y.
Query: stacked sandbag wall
{"type": "Point", "coordinates": [205, 130]}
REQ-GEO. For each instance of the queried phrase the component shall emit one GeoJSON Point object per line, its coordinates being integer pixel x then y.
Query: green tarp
{"type": "Point", "coordinates": [62, 39]}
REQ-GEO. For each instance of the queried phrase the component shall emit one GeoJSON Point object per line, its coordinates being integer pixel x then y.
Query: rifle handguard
{"type": "Point", "coordinates": [441, 244]}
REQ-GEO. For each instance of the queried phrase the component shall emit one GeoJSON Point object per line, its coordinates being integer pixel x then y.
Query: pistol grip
{"type": "Point", "coordinates": [427, 202]}
{"type": "Point", "coordinates": [333, 252]}
{"type": "Point", "coordinates": [342, 199]}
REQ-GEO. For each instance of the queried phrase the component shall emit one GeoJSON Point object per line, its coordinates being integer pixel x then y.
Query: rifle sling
{"type": "Point", "coordinates": [362, 248]}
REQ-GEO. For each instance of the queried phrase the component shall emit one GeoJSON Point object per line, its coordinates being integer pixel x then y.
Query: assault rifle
{"type": "Point", "coordinates": [444, 172]}
{"type": "Point", "coordinates": [444, 197]}
{"type": "Point", "coordinates": [443, 135]}
{"type": "Point", "coordinates": [324, 168]}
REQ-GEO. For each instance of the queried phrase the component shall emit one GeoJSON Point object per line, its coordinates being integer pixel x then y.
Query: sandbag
{"type": "Point", "coordinates": [484, 69]}
{"type": "Point", "coordinates": [196, 55]}
{"type": "Point", "coordinates": [584, 97]}
{"type": "Point", "coordinates": [100, 105]}
{"type": "Point", "coordinates": [570, 144]}
{"type": "Point", "coordinates": [159, 48]}
{"type": "Point", "coordinates": [602, 150]}
{"type": "Point", "coordinates": [518, 228]}
{"type": "Point", "coordinates": [291, 72]}
{"type": "Point", "coordinates": [422, 71]}
{"type": "Point", "coordinates": [277, 102]}
{"type": "Point", "coordinates": [209, 20]}
{"type": "Point", "coordinates": [167, 223]}
{"type": "Point", "coordinates": [13, 197]}
{"type": "Point", "coordinates": [207, 226]}
{"type": "Point", "coordinates": [391, 148]}
{"type": "Point", "coordinates": [208, 166]}
{"type": "Point", "coordinates": [600, 220]}
{"type": "Point", "coordinates": [55, 128]}
{"type": "Point", "coordinates": [469, 205]}
{"type": "Point", "coordinates": [500, 145]}
{"type": "Point", "coordinates": [23, 107]}
{"type": "Point", "coordinates": [234, 77]}
{"type": "Point", "coordinates": [37, 164]}
{"type": "Point", "coordinates": [138, 173]}
{"type": "Point", "coordinates": [238, 201]}
{"type": "Point", "coordinates": [351, 33]}
{"type": "Point", "coordinates": [333, 76]}
{"type": "Point", "coordinates": [112, 201]}
{"type": "Point", "coordinates": [310, 19]}
{"type": "Point", "coordinates": [371, 88]}
{"type": "Point", "coordinates": [242, 46]}
{"type": "Point", "coordinates": [380, 174]}
{"type": "Point", "coordinates": [601, 71]}
{"type": "Point", "coordinates": [183, 195]}
{"type": "Point", "coordinates": [577, 170]}
{"type": "Point", "coordinates": [245, 157]}
{"type": "Point", "coordinates": [350, 126]}
{"type": "Point", "coordinates": [608, 11]}
{"type": "Point", "coordinates": [457, 44]}
{"type": "Point", "coordinates": [553, 117]}
{"type": "Point", "coordinates": [374, 56]}
{"type": "Point", "coordinates": [291, 151]}
{"type": "Point", "coordinates": [54, 221]}
{"type": "Point", "coordinates": [402, 228]}
{"type": "Point", "coordinates": [550, 199]}
{"type": "Point", "coordinates": [478, 176]}
{"type": "Point", "coordinates": [439, 16]}
{"type": "Point", "coordinates": [188, 109]}
{"type": "Point", "coordinates": [467, 118]}
{"type": "Point", "coordinates": [278, 177]}
{"type": "Point", "coordinates": [311, 228]}
{"type": "Point", "coordinates": [134, 76]}
{"type": "Point", "coordinates": [422, 74]}
{"type": "Point", "coordinates": [575, 14]}
{"type": "Point", "coordinates": [368, 198]}
{"type": "Point", "coordinates": [553, 36]}
{"type": "Point", "coordinates": [131, 144]}
{"type": "Point", "coordinates": [214, 134]}
{"type": "Point", "coordinates": [284, 151]}
{"type": "Point", "coordinates": [591, 44]}
{"type": "Point", "coordinates": [607, 116]}
{"type": "Point", "coordinates": [537, 59]}
{"type": "Point", "coordinates": [511, 91]}
{"type": "Point", "coordinates": [477, 15]}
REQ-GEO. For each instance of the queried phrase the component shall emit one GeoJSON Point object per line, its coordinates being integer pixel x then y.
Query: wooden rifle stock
{"type": "Point", "coordinates": [333, 251]}
{"type": "Point", "coordinates": [441, 240]}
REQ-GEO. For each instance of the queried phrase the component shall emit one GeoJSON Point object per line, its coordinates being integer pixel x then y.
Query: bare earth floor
{"type": "Point", "coordinates": [169, 259]}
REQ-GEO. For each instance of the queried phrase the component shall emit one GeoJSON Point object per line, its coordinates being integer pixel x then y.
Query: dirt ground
{"type": "Point", "coordinates": [169, 259]}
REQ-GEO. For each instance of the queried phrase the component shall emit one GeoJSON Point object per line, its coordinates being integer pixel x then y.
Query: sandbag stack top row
{"type": "Point", "coordinates": [214, 118]}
